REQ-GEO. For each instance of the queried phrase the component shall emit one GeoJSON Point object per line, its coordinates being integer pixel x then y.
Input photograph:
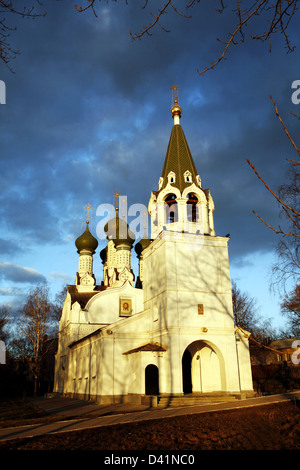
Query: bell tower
{"type": "Point", "coordinates": [180, 205]}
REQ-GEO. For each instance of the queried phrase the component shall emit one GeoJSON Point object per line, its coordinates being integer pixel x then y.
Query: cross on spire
{"type": "Point", "coordinates": [88, 208]}
{"type": "Point", "coordinates": [175, 96]}
{"type": "Point", "coordinates": [116, 194]}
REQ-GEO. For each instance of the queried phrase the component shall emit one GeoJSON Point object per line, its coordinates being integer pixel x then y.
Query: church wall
{"type": "Point", "coordinates": [192, 287]}
{"type": "Point", "coordinates": [105, 306]}
{"type": "Point", "coordinates": [244, 361]}
{"type": "Point", "coordinates": [194, 304]}
{"type": "Point", "coordinates": [98, 366]}
{"type": "Point", "coordinates": [176, 340]}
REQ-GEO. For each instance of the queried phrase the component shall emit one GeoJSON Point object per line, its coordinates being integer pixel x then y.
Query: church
{"type": "Point", "coordinates": [168, 331]}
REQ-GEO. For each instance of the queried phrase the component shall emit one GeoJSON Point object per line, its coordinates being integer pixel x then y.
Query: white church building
{"type": "Point", "coordinates": [169, 332]}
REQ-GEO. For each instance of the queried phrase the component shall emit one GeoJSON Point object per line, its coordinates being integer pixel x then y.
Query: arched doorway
{"type": "Point", "coordinates": [187, 372]}
{"type": "Point", "coordinates": [151, 380]}
{"type": "Point", "coordinates": [202, 368]}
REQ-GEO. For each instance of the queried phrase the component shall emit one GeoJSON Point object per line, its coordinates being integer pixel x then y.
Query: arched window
{"type": "Point", "coordinates": [171, 177]}
{"type": "Point", "coordinates": [171, 209]}
{"type": "Point", "coordinates": [192, 210]}
{"type": "Point", "coordinates": [188, 177]}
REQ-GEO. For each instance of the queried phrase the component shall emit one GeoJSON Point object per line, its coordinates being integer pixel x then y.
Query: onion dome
{"type": "Point", "coordinates": [86, 241]}
{"type": "Point", "coordinates": [117, 230]}
{"type": "Point", "coordinates": [141, 245]}
{"type": "Point", "coordinates": [103, 255]}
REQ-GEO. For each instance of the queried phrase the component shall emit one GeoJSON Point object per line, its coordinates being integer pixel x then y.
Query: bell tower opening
{"type": "Point", "coordinates": [171, 209]}
{"type": "Point", "coordinates": [192, 210]}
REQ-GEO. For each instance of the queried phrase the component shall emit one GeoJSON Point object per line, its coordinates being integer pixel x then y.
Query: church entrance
{"type": "Point", "coordinates": [151, 380]}
{"type": "Point", "coordinates": [187, 372]}
{"type": "Point", "coordinates": [202, 368]}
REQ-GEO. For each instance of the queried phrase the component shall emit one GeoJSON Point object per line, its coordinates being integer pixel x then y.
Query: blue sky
{"type": "Point", "coordinates": [88, 112]}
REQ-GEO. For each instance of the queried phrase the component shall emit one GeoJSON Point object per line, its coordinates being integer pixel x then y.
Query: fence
{"type": "Point", "coordinates": [269, 379]}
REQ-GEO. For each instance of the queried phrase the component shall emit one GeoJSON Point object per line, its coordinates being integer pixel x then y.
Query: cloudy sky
{"type": "Point", "coordinates": [88, 112]}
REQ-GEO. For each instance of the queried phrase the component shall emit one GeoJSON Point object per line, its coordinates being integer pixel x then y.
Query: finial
{"type": "Point", "coordinates": [176, 109]}
{"type": "Point", "coordinates": [88, 208]}
{"type": "Point", "coordinates": [116, 194]}
{"type": "Point", "coordinates": [175, 96]}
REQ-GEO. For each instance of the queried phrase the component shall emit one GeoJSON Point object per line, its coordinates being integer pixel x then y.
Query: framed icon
{"type": "Point", "coordinates": [125, 307]}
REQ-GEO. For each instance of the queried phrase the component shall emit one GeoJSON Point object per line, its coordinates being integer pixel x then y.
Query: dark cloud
{"type": "Point", "coordinates": [19, 274]}
{"type": "Point", "coordinates": [9, 247]}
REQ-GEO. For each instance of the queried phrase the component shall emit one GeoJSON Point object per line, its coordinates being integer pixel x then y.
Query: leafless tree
{"type": "Point", "coordinates": [35, 320]}
{"type": "Point", "coordinates": [287, 197]}
{"type": "Point", "coordinates": [246, 317]}
{"type": "Point", "coordinates": [244, 309]}
{"type": "Point", "coordinates": [291, 307]}
{"type": "Point", "coordinates": [278, 15]}
{"type": "Point", "coordinates": [4, 318]}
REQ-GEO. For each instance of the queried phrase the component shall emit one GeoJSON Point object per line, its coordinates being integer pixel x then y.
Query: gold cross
{"type": "Point", "coordinates": [175, 96]}
{"type": "Point", "coordinates": [88, 208]}
{"type": "Point", "coordinates": [117, 194]}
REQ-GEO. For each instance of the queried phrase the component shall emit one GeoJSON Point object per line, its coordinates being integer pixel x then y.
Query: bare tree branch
{"type": "Point", "coordinates": [271, 191]}
{"type": "Point", "coordinates": [157, 17]}
{"type": "Point", "coordinates": [284, 127]}
{"type": "Point", "coordinates": [287, 195]}
{"type": "Point", "coordinates": [238, 30]}
{"type": "Point", "coordinates": [7, 7]}
{"type": "Point", "coordinates": [278, 14]}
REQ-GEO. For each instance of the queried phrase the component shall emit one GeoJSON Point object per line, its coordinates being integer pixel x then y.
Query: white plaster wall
{"type": "Point", "coordinates": [104, 307]}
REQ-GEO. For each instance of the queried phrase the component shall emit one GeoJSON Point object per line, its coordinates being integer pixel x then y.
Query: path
{"type": "Point", "coordinates": [84, 411]}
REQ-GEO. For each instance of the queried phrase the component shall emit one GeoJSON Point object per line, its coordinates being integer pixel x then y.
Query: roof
{"type": "Point", "coordinates": [178, 159]}
{"type": "Point", "coordinates": [285, 343]}
{"type": "Point", "coordinates": [94, 333]}
{"type": "Point", "coordinates": [147, 347]}
{"type": "Point", "coordinates": [83, 297]}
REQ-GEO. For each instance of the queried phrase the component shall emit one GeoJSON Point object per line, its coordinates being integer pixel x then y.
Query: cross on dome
{"type": "Point", "coordinates": [88, 208]}
{"type": "Point", "coordinates": [175, 89]}
{"type": "Point", "coordinates": [117, 195]}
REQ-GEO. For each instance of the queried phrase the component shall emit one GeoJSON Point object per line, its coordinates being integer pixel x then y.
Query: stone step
{"type": "Point", "coordinates": [191, 400]}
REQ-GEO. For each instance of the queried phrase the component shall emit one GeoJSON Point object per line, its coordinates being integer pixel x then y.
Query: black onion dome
{"type": "Point", "coordinates": [86, 241]}
{"type": "Point", "coordinates": [117, 230]}
{"type": "Point", "coordinates": [103, 254]}
{"type": "Point", "coordinates": [141, 245]}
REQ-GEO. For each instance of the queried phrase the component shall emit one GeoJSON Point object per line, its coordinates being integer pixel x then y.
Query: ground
{"type": "Point", "coordinates": [269, 427]}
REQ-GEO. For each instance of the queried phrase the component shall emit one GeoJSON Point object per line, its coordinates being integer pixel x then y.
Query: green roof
{"type": "Point", "coordinates": [178, 159]}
